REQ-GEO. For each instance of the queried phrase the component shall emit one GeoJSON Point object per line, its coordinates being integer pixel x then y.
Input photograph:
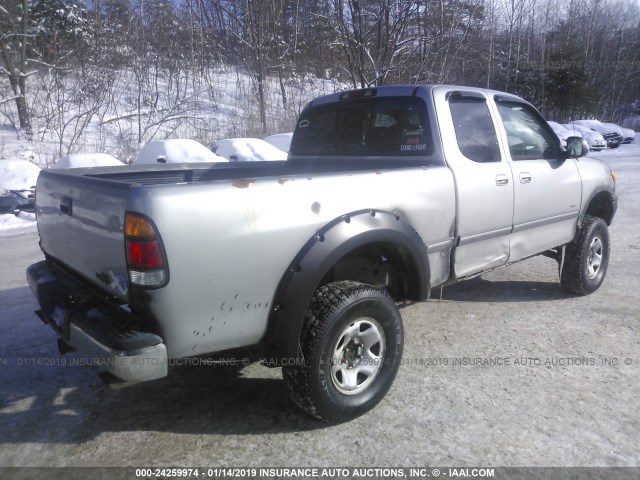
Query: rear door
{"type": "Point", "coordinates": [547, 188]}
{"type": "Point", "coordinates": [484, 183]}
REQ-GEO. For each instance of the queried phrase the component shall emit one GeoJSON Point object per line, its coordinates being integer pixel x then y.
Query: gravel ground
{"type": "Point", "coordinates": [559, 392]}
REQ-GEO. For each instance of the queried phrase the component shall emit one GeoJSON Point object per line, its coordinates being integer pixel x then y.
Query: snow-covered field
{"type": "Point", "coordinates": [117, 132]}
{"type": "Point", "coordinates": [125, 115]}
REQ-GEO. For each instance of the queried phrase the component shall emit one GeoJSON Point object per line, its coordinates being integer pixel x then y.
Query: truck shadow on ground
{"type": "Point", "coordinates": [49, 398]}
{"type": "Point", "coordinates": [75, 407]}
{"type": "Point", "coordinates": [207, 400]}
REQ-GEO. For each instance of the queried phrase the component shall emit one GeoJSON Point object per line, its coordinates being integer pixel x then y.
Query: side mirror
{"type": "Point", "coordinates": [577, 147]}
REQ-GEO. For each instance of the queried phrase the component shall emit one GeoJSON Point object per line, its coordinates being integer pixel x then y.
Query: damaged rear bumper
{"type": "Point", "coordinates": [103, 331]}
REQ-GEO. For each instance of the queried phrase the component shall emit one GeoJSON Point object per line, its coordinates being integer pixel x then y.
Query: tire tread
{"type": "Point", "coordinates": [572, 278]}
{"type": "Point", "coordinates": [299, 378]}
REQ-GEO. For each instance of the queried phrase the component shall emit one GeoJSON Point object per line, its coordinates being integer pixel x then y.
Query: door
{"type": "Point", "coordinates": [547, 188]}
{"type": "Point", "coordinates": [484, 182]}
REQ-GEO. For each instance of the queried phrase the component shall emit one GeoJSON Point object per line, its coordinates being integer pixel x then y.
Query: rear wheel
{"type": "Point", "coordinates": [586, 258]}
{"type": "Point", "coordinates": [351, 344]}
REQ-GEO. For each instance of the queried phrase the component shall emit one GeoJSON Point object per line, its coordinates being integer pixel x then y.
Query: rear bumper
{"type": "Point", "coordinates": [103, 331]}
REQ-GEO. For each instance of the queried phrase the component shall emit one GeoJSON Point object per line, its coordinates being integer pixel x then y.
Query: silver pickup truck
{"type": "Point", "coordinates": [387, 193]}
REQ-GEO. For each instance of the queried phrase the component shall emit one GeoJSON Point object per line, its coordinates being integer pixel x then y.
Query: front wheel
{"type": "Point", "coordinates": [586, 258]}
{"type": "Point", "coordinates": [351, 345]}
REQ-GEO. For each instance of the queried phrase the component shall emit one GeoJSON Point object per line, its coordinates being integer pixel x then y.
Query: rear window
{"type": "Point", "coordinates": [389, 126]}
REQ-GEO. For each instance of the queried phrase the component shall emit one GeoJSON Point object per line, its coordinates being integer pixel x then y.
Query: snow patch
{"type": "Point", "coordinates": [17, 224]}
{"type": "Point", "coordinates": [280, 140]}
{"type": "Point", "coordinates": [18, 174]}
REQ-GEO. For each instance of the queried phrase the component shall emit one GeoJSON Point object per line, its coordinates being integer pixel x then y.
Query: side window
{"type": "Point", "coordinates": [475, 132]}
{"type": "Point", "coordinates": [529, 138]}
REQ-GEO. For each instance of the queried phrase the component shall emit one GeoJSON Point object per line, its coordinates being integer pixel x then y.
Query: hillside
{"type": "Point", "coordinates": [218, 105]}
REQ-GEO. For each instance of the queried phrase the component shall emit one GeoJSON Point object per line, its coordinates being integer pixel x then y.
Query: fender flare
{"type": "Point", "coordinates": [610, 205]}
{"type": "Point", "coordinates": [321, 252]}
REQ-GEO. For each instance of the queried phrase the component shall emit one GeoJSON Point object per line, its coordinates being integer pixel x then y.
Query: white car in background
{"type": "Point", "coordinates": [280, 140]}
{"type": "Point", "coordinates": [562, 132]}
{"type": "Point", "coordinates": [617, 129]}
{"type": "Point", "coordinates": [87, 160]}
{"type": "Point", "coordinates": [595, 139]}
{"type": "Point", "coordinates": [611, 135]}
{"type": "Point", "coordinates": [248, 150]}
{"type": "Point", "coordinates": [629, 135]}
{"type": "Point", "coordinates": [176, 150]}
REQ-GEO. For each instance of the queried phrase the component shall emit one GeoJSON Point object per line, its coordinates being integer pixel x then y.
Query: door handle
{"type": "Point", "coordinates": [525, 177]}
{"type": "Point", "coordinates": [66, 206]}
{"type": "Point", "coordinates": [502, 180]}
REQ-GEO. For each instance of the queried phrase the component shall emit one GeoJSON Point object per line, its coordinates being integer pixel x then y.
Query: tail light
{"type": "Point", "coordinates": [146, 259]}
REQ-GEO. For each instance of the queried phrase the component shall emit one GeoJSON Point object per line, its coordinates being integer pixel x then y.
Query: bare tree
{"type": "Point", "coordinates": [14, 35]}
{"type": "Point", "coordinates": [375, 37]}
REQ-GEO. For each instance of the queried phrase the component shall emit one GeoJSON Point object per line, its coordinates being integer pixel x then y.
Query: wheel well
{"type": "Point", "coordinates": [371, 246]}
{"type": "Point", "coordinates": [601, 206]}
{"type": "Point", "coordinates": [379, 264]}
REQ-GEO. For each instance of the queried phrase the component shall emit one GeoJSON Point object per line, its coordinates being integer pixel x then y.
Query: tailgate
{"type": "Point", "coordinates": [80, 221]}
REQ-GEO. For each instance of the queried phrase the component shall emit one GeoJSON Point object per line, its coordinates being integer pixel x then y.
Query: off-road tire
{"type": "Point", "coordinates": [337, 308]}
{"type": "Point", "coordinates": [579, 274]}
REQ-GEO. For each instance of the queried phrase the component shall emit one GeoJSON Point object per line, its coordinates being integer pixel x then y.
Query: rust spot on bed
{"type": "Point", "coordinates": [243, 182]}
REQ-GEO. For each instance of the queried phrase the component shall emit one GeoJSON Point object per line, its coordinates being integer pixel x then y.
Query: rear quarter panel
{"type": "Point", "coordinates": [228, 243]}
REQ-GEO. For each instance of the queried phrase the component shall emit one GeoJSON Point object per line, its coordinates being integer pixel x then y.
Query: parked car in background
{"type": "Point", "coordinates": [87, 160]}
{"type": "Point", "coordinates": [176, 150]}
{"type": "Point", "coordinates": [611, 135]}
{"type": "Point", "coordinates": [248, 150]}
{"type": "Point", "coordinates": [17, 181]}
{"type": "Point", "coordinates": [617, 129]}
{"type": "Point", "coordinates": [595, 139]}
{"type": "Point", "coordinates": [16, 201]}
{"type": "Point", "coordinates": [629, 135]}
{"type": "Point", "coordinates": [562, 132]}
{"type": "Point", "coordinates": [280, 140]}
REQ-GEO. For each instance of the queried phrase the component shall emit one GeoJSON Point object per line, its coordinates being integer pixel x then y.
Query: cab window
{"type": "Point", "coordinates": [529, 135]}
{"type": "Point", "coordinates": [475, 132]}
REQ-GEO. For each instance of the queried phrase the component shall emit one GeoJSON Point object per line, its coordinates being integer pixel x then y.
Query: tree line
{"type": "Point", "coordinates": [572, 58]}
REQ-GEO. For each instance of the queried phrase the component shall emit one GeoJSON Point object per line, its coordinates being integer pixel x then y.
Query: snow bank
{"type": "Point", "coordinates": [280, 140]}
{"type": "Point", "coordinates": [17, 224]}
{"type": "Point", "coordinates": [17, 174]}
{"type": "Point", "coordinates": [248, 150]}
{"type": "Point", "coordinates": [81, 160]}
{"type": "Point", "coordinates": [178, 150]}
